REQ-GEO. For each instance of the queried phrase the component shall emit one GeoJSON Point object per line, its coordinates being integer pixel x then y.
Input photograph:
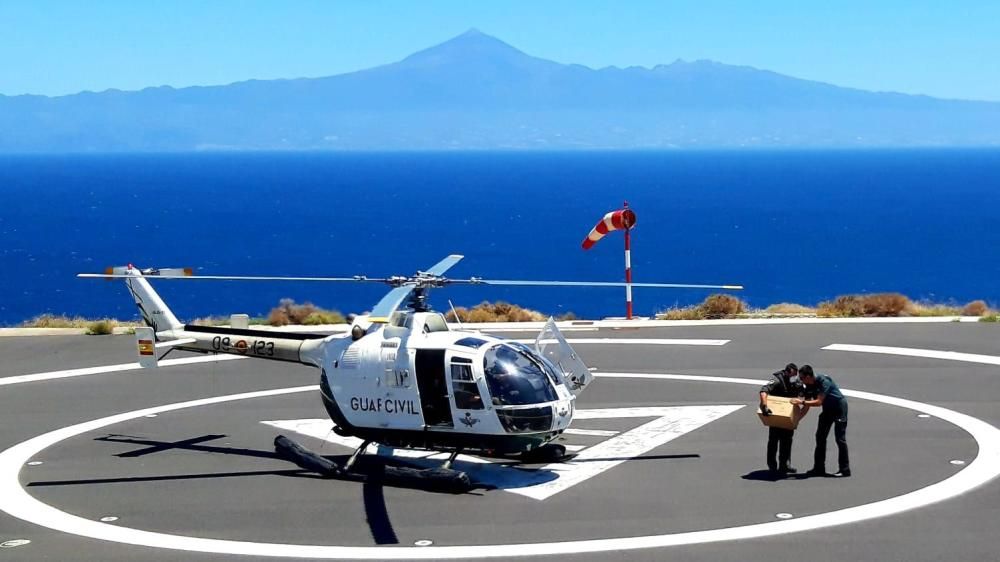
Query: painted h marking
{"type": "Point", "coordinates": [540, 484]}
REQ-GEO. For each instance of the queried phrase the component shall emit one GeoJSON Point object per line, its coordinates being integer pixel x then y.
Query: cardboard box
{"type": "Point", "coordinates": [783, 413]}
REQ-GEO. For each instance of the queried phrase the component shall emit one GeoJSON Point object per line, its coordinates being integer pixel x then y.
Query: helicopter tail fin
{"type": "Point", "coordinates": [154, 311]}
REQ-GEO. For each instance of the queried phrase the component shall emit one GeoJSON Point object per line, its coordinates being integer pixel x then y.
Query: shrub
{"type": "Point", "coordinates": [885, 304]}
{"type": "Point", "coordinates": [319, 317]}
{"type": "Point", "coordinates": [975, 308]}
{"type": "Point", "coordinates": [495, 312]}
{"type": "Point", "coordinates": [990, 318]}
{"type": "Point", "coordinates": [101, 328]}
{"type": "Point", "coordinates": [879, 304]}
{"type": "Point", "coordinates": [287, 312]}
{"type": "Point", "coordinates": [721, 305]}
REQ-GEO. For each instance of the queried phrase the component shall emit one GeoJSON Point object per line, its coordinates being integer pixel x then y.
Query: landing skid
{"type": "Point", "coordinates": [443, 479]}
{"type": "Point", "coordinates": [552, 452]}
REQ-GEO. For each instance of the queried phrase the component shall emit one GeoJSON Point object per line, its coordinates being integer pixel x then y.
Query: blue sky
{"type": "Point", "coordinates": [946, 49]}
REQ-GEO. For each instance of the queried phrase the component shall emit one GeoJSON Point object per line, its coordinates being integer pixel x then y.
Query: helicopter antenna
{"type": "Point", "coordinates": [455, 312]}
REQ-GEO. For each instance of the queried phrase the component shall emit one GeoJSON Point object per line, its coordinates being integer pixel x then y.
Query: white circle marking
{"type": "Point", "coordinates": [18, 503]}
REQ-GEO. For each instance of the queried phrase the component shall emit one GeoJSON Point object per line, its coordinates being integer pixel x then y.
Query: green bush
{"type": "Point", "coordinates": [990, 318]}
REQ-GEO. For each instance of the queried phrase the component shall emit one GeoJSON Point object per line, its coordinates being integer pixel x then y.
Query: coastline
{"type": "Point", "coordinates": [568, 325]}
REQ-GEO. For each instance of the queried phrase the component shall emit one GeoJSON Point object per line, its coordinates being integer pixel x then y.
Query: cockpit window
{"type": "Point", "coordinates": [546, 365]}
{"type": "Point", "coordinates": [515, 377]}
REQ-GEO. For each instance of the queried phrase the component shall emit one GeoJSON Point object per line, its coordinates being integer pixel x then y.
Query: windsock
{"type": "Point", "coordinates": [615, 220]}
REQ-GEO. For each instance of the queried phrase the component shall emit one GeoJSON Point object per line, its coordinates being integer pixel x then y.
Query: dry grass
{"type": "Point", "coordinates": [719, 305]}
{"type": "Point", "coordinates": [55, 321]}
{"type": "Point", "coordinates": [934, 309]}
{"type": "Point", "coordinates": [495, 312]}
{"type": "Point", "coordinates": [61, 321]}
{"type": "Point", "coordinates": [287, 312]}
{"type": "Point", "coordinates": [685, 313]}
{"type": "Point", "coordinates": [789, 308]}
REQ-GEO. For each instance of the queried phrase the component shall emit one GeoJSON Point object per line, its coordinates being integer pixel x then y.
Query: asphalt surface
{"type": "Point", "coordinates": [210, 472]}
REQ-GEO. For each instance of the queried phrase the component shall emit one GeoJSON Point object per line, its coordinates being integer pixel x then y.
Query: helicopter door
{"type": "Point", "coordinates": [551, 344]}
{"type": "Point", "coordinates": [433, 387]}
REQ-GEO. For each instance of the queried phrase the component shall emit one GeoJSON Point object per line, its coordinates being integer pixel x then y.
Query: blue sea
{"type": "Point", "coordinates": [798, 226]}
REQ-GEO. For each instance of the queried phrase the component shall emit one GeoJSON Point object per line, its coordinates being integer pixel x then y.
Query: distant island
{"type": "Point", "coordinates": [477, 92]}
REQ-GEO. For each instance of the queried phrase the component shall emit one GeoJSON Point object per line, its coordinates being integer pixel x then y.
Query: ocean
{"type": "Point", "coordinates": [792, 226]}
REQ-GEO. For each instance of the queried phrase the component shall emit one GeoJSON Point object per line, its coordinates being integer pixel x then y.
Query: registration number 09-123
{"type": "Point", "coordinates": [256, 347]}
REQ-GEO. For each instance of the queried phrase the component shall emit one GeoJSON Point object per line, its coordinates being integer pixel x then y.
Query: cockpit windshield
{"type": "Point", "coordinates": [515, 377]}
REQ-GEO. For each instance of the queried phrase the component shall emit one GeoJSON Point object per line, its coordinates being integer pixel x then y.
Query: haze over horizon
{"type": "Point", "coordinates": [475, 91]}
{"type": "Point", "coordinates": [59, 48]}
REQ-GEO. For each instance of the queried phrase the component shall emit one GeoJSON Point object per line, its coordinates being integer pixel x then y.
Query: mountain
{"type": "Point", "coordinates": [477, 92]}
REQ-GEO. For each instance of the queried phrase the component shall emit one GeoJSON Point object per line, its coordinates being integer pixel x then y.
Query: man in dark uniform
{"type": "Point", "coordinates": [779, 440]}
{"type": "Point", "coordinates": [821, 390]}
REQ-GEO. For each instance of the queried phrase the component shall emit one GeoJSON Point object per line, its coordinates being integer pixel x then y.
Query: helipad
{"type": "Point", "coordinates": [199, 476]}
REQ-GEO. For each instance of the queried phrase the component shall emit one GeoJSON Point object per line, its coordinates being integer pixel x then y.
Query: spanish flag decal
{"type": "Point", "coordinates": [146, 347]}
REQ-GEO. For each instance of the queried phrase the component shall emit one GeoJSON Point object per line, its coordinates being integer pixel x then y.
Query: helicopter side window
{"type": "Point", "coordinates": [466, 390]}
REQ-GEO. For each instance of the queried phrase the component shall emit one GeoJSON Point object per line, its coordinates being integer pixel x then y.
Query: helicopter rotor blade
{"type": "Point", "coordinates": [389, 303]}
{"type": "Point", "coordinates": [444, 265]}
{"type": "Point", "coordinates": [512, 282]}
{"type": "Point", "coordinates": [357, 279]}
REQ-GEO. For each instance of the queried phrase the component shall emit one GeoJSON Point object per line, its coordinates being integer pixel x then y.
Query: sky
{"type": "Point", "coordinates": [944, 49]}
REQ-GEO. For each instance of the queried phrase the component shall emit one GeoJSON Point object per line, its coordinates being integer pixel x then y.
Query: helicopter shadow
{"type": "Point", "coordinates": [368, 468]}
{"type": "Point", "coordinates": [195, 444]}
{"type": "Point", "coordinates": [373, 474]}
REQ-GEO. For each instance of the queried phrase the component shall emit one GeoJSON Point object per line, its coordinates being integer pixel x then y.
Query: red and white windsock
{"type": "Point", "coordinates": [615, 220]}
{"type": "Point", "coordinates": [622, 219]}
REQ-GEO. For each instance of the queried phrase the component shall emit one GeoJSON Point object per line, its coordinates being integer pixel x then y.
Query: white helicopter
{"type": "Point", "coordinates": [402, 377]}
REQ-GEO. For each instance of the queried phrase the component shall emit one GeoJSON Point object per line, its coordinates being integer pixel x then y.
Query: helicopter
{"type": "Point", "coordinates": [401, 376]}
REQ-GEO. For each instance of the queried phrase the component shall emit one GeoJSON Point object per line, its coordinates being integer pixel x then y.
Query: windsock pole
{"type": "Point", "coordinates": [628, 274]}
{"type": "Point", "coordinates": [628, 269]}
{"type": "Point", "coordinates": [622, 219]}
